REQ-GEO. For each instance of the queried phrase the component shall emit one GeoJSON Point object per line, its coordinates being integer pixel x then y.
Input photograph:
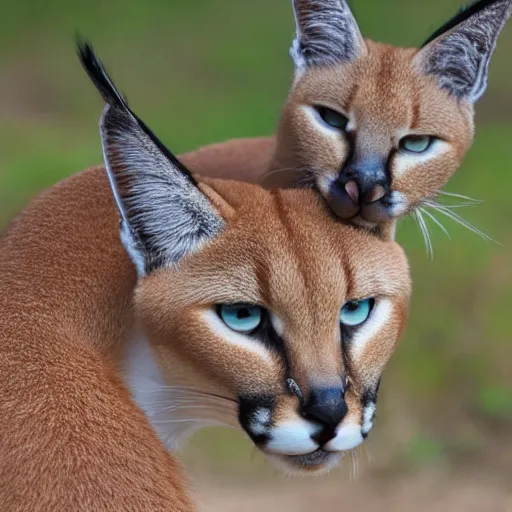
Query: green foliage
{"type": "Point", "coordinates": [426, 450]}
{"type": "Point", "coordinates": [496, 401]}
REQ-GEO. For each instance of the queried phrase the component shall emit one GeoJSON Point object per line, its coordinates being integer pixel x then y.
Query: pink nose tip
{"type": "Point", "coordinates": [352, 190]}
{"type": "Point", "coordinates": [377, 193]}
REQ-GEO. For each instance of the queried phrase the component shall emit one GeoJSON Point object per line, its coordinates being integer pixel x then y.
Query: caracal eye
{"type": "Point", "coordinates": [356, 312]}
{"type": "Point", "coordinates": [241, 317]}
{"type": "Point", "coordinates": [416, 143]}
{"type": "Point", "coordinates": [333, 118]}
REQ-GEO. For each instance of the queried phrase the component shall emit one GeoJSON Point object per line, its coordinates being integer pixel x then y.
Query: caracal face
{"type": "Point", "coordinates": [377, 129]}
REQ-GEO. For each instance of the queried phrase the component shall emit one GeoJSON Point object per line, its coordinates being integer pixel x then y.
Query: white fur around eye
{"type": "Point", "coordinates": [277, 324]}
{"type": "Point", "coordinates": [405, 161]}
{"type": "Point", "coordinates": [380, 315]}
{"type": "Point", "coordinates": [234, 338]}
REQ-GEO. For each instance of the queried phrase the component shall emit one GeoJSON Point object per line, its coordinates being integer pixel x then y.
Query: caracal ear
{"type": "Point", "coordinates": [164, 215]}
{"type": "Point", "coordinates": [458, 54]}
{"type": "Point", "coordinates": [326, 34]}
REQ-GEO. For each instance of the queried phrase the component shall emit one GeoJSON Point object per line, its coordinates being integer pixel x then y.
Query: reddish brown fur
{"type": "Point", "coordinates": [388, 96]}
{"type": "Point", "coordinates": [72, 439]}
{"type": "Point", "coordinates": [307, 268]}
{"type": "Point", "coordinates": [66, 289]}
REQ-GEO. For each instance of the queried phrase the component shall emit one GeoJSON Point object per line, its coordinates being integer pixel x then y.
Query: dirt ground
{"type": "Point", "coordinates": [421, 492]}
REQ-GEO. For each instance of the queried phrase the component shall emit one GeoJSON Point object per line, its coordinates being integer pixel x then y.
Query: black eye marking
{"type": "Point", "coordinates": [248, 407]}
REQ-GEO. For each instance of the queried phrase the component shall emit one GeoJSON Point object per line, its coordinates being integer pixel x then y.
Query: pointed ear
{"type": "Point", "coordinates": [458, 54]}
{"type": "Point", "coordinates": [327, 34]}
{"type": "Point", "coordinates": [164, 215]}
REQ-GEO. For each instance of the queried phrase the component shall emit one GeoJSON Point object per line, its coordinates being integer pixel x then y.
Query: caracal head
{"type": "Point", "coordinates": [376, 128]}
{"type": "Point", "coordinates": [259, 309]}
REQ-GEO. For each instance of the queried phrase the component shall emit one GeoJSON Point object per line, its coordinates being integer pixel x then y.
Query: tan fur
{"type": "Point", "coordinates": [71, 436]}
{"type": "Point", "coordinates": [72, 439]}
{"type": "Point", "coordinates": [298, 265]}
{"type": "Point", "coordinates": [388, 98]}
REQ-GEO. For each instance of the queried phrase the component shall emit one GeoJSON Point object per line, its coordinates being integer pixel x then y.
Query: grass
{"type": "Point", "coordinates": [200, 71]}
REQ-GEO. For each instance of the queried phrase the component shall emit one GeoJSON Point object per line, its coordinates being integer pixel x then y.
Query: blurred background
{"type": "Point", "coordinates": [202, 71]}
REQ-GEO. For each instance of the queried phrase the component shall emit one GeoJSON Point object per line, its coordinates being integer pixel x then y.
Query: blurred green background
{"type": "Point", "coordinates": [202, 71]}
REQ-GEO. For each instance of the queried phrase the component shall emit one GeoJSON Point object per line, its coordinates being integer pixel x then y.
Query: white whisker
{"type": "Point", "coordinates": [460, 205]}
{"type": "Point", "coordinates": [428, 214]}
{"type": "Point", "coordinates": [460, 196]}
{"type": "Point", "coordinates": [188, 406]}
{"type": "Point", "coordinates": [369, 456]}
{"type": "Point", "coordinates": [354, 464]}
{"type": "Point", "coordinates": [426, 234]}
{"type": "Point", "coordinates": [305, 174]}
{"type": "Point", "coordinates": [459, 220]}
{"type": "Point", "coordinates": [285, 169]}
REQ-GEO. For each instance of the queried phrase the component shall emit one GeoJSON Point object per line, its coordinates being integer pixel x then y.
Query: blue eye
{"type": "Point", "coordinates": [334, 119]}
{"type": "Point", "coordinates": [356, 312]}
{"type": "Point", "coordinates": [417, 143]}
{"type": "Point", "coordinates": [240, 317]}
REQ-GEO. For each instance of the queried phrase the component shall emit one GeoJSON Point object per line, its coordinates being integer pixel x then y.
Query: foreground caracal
{"type": "Point", "coordinates": [252, 308]}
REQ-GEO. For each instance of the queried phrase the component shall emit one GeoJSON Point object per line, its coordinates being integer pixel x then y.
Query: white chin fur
{"type": "Point", "coordinates": [292, 438]}
{"type": "Point", "coordinates": [347, 438]}
{"type": "Point", "coordinates": [174, 413]}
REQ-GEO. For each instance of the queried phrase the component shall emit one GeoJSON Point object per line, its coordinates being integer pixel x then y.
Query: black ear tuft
{"type": "Point", "coordinates": [164, 214]}
{"type": "Point", "coordinates": [464, 14]}
{"type": "Point", "coordinates": [98, 74]}
{"type": "Point", "coordinates": [458, 54]}
{"type": "Point", "coordinates": [326, 34]}
{"type": "Point", "coordinates": [111, 95]}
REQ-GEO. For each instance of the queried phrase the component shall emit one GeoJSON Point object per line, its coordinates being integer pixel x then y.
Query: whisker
{"type": "Point", "coordinates": [186, 391]}
{"type": "Point", "coordinates": [459, 220]}
{"type": "Point", "coordinates": [354, 464]}
{"type": "Point", "coordinates": [369, 456]}
{"type": "Point", "coordinates": [184, 399]}
{"type": "Point", "coordinates": [286, 169]}
{"type": "Point", "coordinates": [460, 205]}
{"type": "Point", "coordinates": [305, 172]}
{"type": "Point", "coordinates": [188, 406]}
{"type": "Point", "coordinates": [425, 232]}
{"type": "Point", "coordinates": [460, 196]}
{"type": "Point", "coordinates": [428, 214]}
{"type": "Point", "coordinates": [188, 420]}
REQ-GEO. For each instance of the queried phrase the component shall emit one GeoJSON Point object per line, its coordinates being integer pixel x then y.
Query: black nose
{"type": "Point", "coordinates": [365, 180]}
{"type": "Point", "coordinates": [361, 183]}
{"type": "Point", "coordinates": [326, 406]}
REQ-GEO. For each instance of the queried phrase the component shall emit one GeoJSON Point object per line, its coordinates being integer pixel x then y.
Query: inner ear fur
{"type": "Point", "coordinates": [459, 53]}
{"type": "Point", "coordinates": [165, 215]}
{"type": "Point", "coordinates": [326, 34]}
